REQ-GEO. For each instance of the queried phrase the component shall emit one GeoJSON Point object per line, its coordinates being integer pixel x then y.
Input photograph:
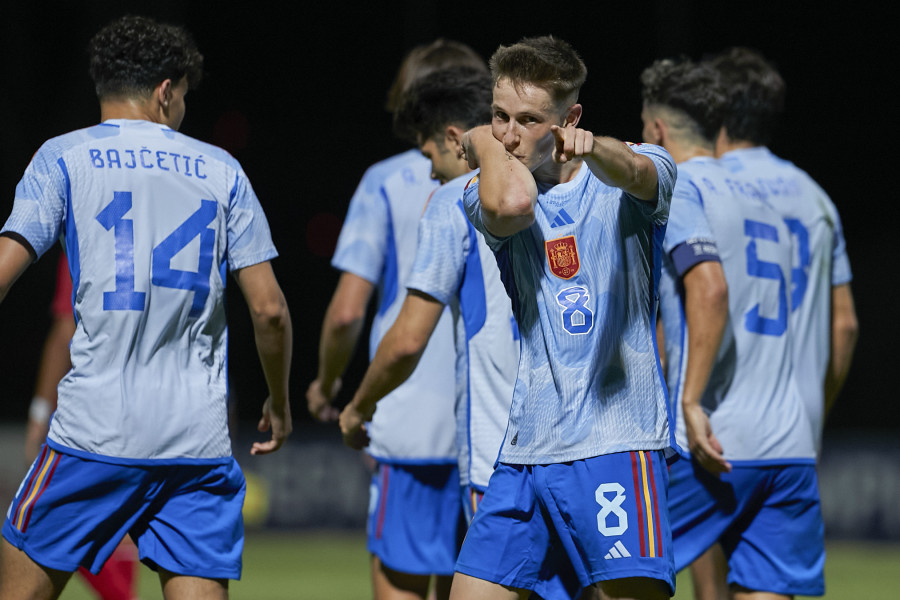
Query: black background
{"type": "Point", "coordinates": [296, 94]}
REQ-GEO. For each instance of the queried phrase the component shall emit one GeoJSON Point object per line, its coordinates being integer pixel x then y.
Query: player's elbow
{"type": "Point", "coordinates": [270, 313]}
{"type": "Point", "coordinates": [845, 328]}
{"type": "Point", "coordinates": [511, 216]}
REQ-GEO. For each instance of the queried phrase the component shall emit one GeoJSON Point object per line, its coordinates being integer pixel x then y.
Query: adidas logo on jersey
{"type": "Point", "coordinates": [617, 551]}
{"type": "Point", "coordinates": [562, 218]}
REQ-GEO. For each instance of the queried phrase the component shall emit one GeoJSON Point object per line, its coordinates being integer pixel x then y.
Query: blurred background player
{"type": "Point", "coordinates": [823, 319]}
{"type": "Point", "coordinates": [414, 512]}
{"type": "Point", "coordinates": [750, 483]}
{"type": "Point", "coordinates": [574, 221]}
{"type": "Point", "coordinates": [117, 579]}
{"type": "Point", "coordinates": [150, 220]}
{"type": "Point", "coordinates": [455, 268]}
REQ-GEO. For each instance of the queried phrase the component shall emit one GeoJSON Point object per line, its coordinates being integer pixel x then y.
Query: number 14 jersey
{"type": "Point", "coordinates": [151, 220]}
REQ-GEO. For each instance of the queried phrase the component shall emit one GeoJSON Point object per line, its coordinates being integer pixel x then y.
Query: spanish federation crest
{"type": "Point", "coordinates": [563, 256]}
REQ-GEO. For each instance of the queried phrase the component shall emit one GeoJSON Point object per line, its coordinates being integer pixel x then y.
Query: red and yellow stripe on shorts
{"type": "Point", "coordinates": [39, 481]}
{"type": "Point", "coordinates": [647, 505]}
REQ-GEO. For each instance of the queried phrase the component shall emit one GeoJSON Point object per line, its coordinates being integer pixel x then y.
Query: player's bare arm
{"type": "Point", "coordinates": [395, 360]}
{"type": "Point", "coordinates": [706, 314]}
{"type": "Point", "coordinates": [844, 333]}
{"type": "Point", "coordinates": [506, 187]}
{"type": "Point", "coordinates": [273, 334]}
{"type": "Point", "coordinates": [341, 328]}
{"type": "Point", "coordinates": [610, 160]}
{"type": "Point", "coordinates": [14, 259]}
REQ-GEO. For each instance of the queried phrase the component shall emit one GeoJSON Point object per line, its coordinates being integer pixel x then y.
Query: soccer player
{"type": "Point", "coordinates": [750, 482]}
{"type": "Point", "coordinates": [414, 511]}
{"type": "Point", "coordinates": [575, 222]}
{"type": "Point", "coordinates": [117, 579]}
{"type": "Point", "coordinates": [151, 221]}
{"type": "Point", "coordinates": [823, 318]}
{"type": "Point", "coordinates": [453, 267]}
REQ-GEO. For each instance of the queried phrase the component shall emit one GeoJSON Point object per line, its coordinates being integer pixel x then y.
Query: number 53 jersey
{"type": "Point", "coordinates": [151, 221]}
{"type": "Point", "coordinates": [752, 398]}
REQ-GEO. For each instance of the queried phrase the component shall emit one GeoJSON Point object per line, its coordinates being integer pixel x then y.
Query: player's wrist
{"type": "Point", "coordinates": [40, 410]}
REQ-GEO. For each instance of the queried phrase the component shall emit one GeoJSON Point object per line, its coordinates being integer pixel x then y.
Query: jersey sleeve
{"type": "Point", "coordinates": [249, 238]}
{"type": "Point", "coordinates": [362, 243]}
{"type": "Point", "coordinates": [40, 204]}
{"type": "Point", "coordinates": [666, 175]}
{"type": "Point", "coordinates": [689, 239]}
{"type": "Point", "coordinates": [443, 246]}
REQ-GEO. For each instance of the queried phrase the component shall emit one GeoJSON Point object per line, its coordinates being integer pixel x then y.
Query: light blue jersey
{"type": "Point", "coordinates": [582, 279]}
{"type": "Point", "coordinates": [378, 243]}
{"type": "Point", "coordinates": [754, 406]}
{"type": "Point", "coordinates": [454, 266]}
{"type": "Point", "coordinates": [820, 261]}
{"type": "Point", "coordinates": [151, 221]}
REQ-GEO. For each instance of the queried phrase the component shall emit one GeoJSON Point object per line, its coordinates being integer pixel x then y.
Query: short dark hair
{"type": "Point", "coordinates": [424, 59]}
{"type": "Point", "coordinates": [546, 62]}
{"type": "Point", "coordinates": [133, 54]}
{"type": "Point", "coordinates": [756, 94]}
{"type": "Point", "coordinates": [694, 90]}
{"type": "Point", "coordinates": [454, 96]}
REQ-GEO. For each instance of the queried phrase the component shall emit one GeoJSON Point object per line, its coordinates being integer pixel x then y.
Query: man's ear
{"type": "Point", "coordinates": [660, 132]}
{"type": "Point", "coordinates": [453, 136]}
{"type": "Point", "coordinates": [163, 92]}
{"type": "Point", "coordinates": [573, 115]}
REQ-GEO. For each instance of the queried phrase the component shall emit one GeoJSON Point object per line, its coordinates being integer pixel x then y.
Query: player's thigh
{"type": "Point", "coordinates": [196, 528]}
{"type": "Point", "coordinates": [466, 587]}
{"type": "Point", "coordinates": [182, 587]}
{"type": "Point", "coordinates": [22, 578]}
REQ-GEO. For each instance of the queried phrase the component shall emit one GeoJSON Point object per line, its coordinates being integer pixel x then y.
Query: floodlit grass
{"type": "Point", "coordinates": [335, 566]}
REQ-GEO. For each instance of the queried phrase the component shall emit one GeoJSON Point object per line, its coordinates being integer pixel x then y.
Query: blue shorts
{"type": "Point", "coordinates": [585, 521]}
{"type": "Point", "coordinates": [768, 520]}
{"type": "Point", "coordinates": [415, 518]}
{"type": "Point", "coordinates": [72, 512]}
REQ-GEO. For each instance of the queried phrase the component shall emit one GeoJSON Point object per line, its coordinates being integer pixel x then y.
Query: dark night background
{"type": "Point", "coordinates": [296, 95]}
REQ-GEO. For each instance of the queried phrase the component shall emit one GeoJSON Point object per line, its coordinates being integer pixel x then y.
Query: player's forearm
{"type": "Point", "coordinates": [506, 188]}
{"type": "Point", "coordinates": [55, 360]}
{"type": "Point", "coordinates": [274, 338]}
{"type": "Point", "coordinates": [336, 346]}
{"type": "Point", "coordinates": [706, 315]}
{"type": "Point", "coordinates": [395, 360]}
{"type": "Point", "coordinates": [844, 334]}
{"type": "Point", "coordinates": [615, 164]}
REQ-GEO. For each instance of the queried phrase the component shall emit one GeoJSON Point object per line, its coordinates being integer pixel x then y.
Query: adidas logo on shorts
{"type": "Point", "coordinates": [617, 551]}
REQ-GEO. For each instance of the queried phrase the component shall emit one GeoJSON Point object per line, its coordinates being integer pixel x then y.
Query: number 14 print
{"type": "Point", "coordinates": [125, 297]}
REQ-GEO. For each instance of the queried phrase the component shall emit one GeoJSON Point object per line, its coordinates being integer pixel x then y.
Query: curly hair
{"type": "Point", "coordinates": [546, 62]}
{"type": "Point", "coordinates": [696, 91]}
{"type": "Point", "coordinates": [424, 59]}
{"type": "Point", "coordinates": [133, 54]}
{"type": "Point", "coordinates": [458, 96]}
{"type": "Point", "coordinates": [756, 94]}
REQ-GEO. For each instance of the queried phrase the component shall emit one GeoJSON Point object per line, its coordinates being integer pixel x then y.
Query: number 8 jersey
{"type": "Point", "coordinates": [582, 282]}
{"type": "Point", "coordinates": [151, 221]}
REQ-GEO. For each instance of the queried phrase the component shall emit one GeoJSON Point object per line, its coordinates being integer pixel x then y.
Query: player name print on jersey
{"type": "Point", "coordinates": [563, 256]}
{"type": "Point", "coordinates": [145, 158]}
